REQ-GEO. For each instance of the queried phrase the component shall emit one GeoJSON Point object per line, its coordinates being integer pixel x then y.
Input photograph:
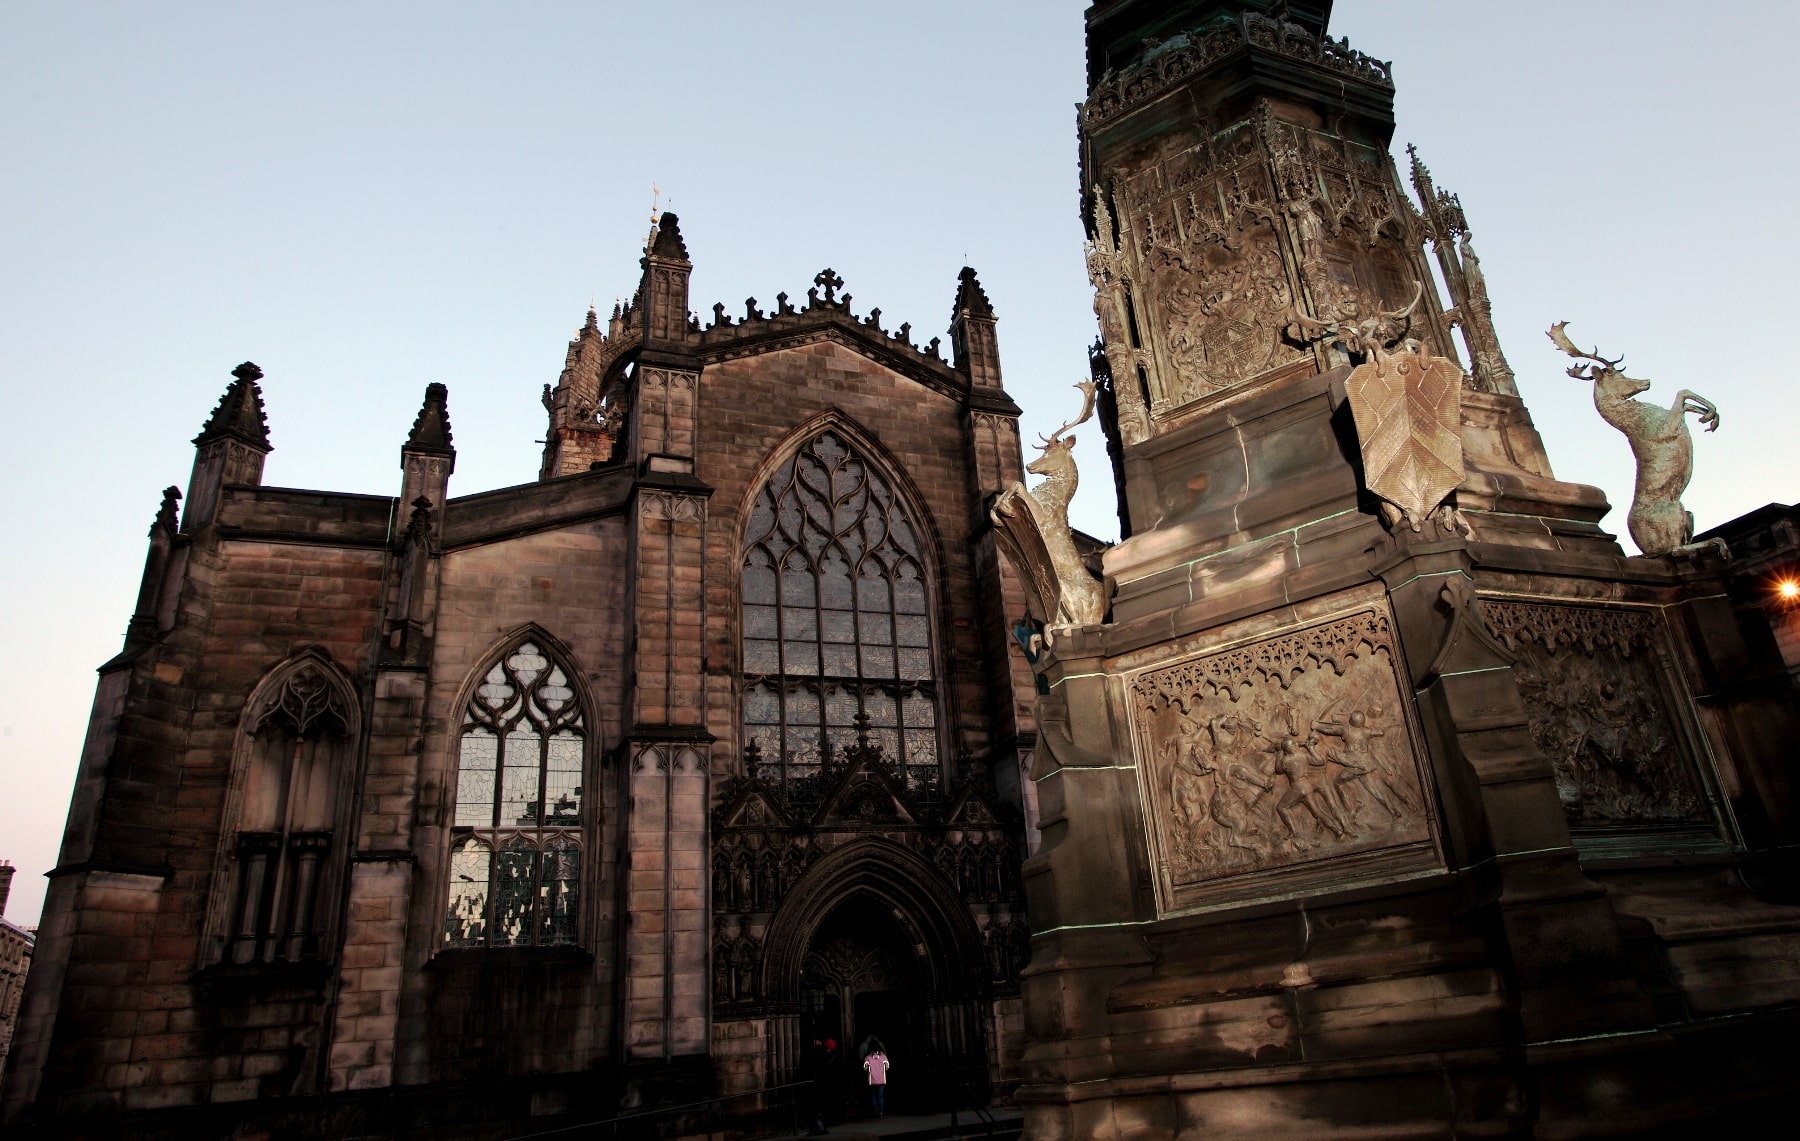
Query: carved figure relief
{"type": "Point", "coordinates": [1659, 524]}
{"type": "Point", "coordinates": [1289, 750]}
{"type": "Point", "coordinates": [1590, 679]}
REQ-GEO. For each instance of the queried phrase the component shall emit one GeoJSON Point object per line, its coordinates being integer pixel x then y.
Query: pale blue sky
{"type": "Point", "coordinates": [364, 198]}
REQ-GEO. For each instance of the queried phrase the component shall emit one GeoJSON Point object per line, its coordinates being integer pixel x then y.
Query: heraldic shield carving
{"type": "Point", "coordinates": [1408, 410]}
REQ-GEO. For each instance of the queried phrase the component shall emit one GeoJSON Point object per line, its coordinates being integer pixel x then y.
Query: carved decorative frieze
{"type": "Point", "coordinates": [1166, 63]}
{"type": "Point", "coordinates": [1597, 691]}
{"type": "Point", "coordinates": [1279, 753]}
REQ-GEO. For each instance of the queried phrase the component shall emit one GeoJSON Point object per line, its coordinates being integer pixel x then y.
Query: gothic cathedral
{"type": "Point", "coordinates": [1364, 788]}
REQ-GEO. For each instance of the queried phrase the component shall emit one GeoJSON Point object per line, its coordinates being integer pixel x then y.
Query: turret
{"type": "Point", "coordinates": [665, 285]}
{"type": "Point", "coordinates": [972, 333]}
{"type": "Point", "coordinates": [230, 449]}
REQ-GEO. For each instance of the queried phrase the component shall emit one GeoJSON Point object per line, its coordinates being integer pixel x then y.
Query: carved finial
{"type": "Point", "coordinates": [166, 516]}
{"type": "Point", "coordinates": [971, 299]}
{"type": "Point", "coordinates": [668, 244]}
{"type": "Point", "coordinates": [752, 758]}
{"type": "Point", "coordinates": [431, 428]}
{"type": "Point", "coordinates": [782, 308]}
{"type": "Point", "coordinates": [830, 282]}
{"type": "Point", "coordinates": [239, 413]}
{"type": "Point", "coordinates": [862, 728]}
{"type": "Point", "coordinates": [751, 312]}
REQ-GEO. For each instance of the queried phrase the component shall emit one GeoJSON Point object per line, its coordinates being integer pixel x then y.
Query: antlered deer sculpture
{"type": "Point", "coordinates": [1033, 528]}
{"type": "Point", "coordinates": [1659, 524]}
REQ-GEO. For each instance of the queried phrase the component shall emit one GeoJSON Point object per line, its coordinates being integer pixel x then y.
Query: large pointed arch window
{"type": "Point", "coordinates": [837, 618]}
{"type": "Point", "coordinates": [516, 838]}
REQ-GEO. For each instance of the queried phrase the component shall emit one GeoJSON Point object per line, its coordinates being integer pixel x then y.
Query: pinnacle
{"type": "Point", "coordinates": [239, 414]}
{"type": "Point", "coordinates": [971, 299]}
{"type": "Point", "coordinates": [668, 239]}
{"type": "Point", "coordinates": [431, 428]}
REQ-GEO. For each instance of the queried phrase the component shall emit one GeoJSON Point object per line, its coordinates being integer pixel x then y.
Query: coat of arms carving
{"type": "Point", "coordinates": [1408, 411]}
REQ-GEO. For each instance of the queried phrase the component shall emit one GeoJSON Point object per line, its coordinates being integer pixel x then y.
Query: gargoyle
{"type": "Point", "coordinates": [1659, 437]}
{"type": "Point", "coordinates": [1034, 534]}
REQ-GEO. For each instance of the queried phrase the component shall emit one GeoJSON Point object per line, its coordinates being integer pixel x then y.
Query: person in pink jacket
{"type": "Point", "coordinates": [877, 1066]}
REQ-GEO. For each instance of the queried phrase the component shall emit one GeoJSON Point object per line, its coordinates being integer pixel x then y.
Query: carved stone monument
{"type": "Point", "coordinates": [1390, 798]}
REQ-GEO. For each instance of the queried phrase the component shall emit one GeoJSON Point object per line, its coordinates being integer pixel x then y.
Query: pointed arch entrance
{"type": "Point", "coordinates": [874, 941]}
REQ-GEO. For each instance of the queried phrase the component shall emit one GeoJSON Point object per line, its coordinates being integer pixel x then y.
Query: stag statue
{"type": "Point", "coordinates": [1033, 528]}
{"type": "Point", "coordinates": [1659, 524]}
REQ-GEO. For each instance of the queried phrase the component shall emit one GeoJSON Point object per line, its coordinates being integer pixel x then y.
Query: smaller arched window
{"type": "Point", "coordinates": [284, 848]}
{"type": "Point", "coordinates": [516, 839]}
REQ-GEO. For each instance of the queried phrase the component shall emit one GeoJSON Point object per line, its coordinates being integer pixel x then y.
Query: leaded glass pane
{"type": "Point", "coordinates": [872, 592]}
{"type": "Point", "coordinates": [921, 749]}
{"type": "Point", "coordinates": [799, 624]}
{"type": "Point", "coordinates": [878, 661]}
{"type": "Point", "coordinates": [915, 665]}
{"type": "Point", "coordinates": [559, 892]}
{"type": "Point", "coordinates": [526, 663]}
{"type": "Point", "coordinates": [761, 657]}
{"type": "Point", "coordinates": [465, 921]}
{"type": "Point", "coordinates": [515, 879]}
{"type": "Point", "coordinates": [759, 585]}
{"type": "Point", "coordinates": [919, 710]}
{"type": "Point", "coordinates": [838, 626]}
{"type": "Point", "coordinates": [876, 630]}
{"type": "Point", "coordinates": [762, 706]}
{"type": "Point", "coordinates": [759, 622]}
{"type": "Point", "coordinates": [475, 780]}
{"type": "Point", "coordinates": [562, 779]}
{"type": "Point", "coordinates": [800, 658]}
{"type": "Point", "coordinates": [834, 582]}
{"type": "Point", "coordinates": [797, 586]}
{"type": "Point", "coordinates": [909, 592]}
{"type": "Point", "coordinates": [554, 695]}
{"type": "Point", "coordinates": [912, 630]}
{"type": "Point", "coordinates": [519, 775]}
{"type": "Point", "coordinates": [881, 708]}
{"type": "Point", "coordinates": [840, 661]}
{"type": "Point", "coordinates": [840, 706]}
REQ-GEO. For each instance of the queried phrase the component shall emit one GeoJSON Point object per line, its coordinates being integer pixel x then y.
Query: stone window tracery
{"type": "Point", "coordinates": [836, 618]}
{"type": "Point", "coordinates": [516, 836]}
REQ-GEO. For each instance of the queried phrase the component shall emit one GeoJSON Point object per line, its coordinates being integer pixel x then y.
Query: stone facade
{"type": "Point", "coordinates": [435, 813]}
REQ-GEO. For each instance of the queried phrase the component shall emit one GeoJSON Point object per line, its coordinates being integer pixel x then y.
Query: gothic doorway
{"type": "Point", "coordinates": [854, 984]}
{"type": "Point", "coordinates": [874, 943]}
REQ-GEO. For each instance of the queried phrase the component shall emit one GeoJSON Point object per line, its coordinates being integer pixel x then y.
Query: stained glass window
{"type": "Point", "coordinates": [836, 620]}
{"type": "Point", "coordinates": [515, 852]}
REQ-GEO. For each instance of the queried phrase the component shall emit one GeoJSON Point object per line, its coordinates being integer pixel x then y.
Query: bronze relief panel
{"type": "Point", "coordinates": [1280, 759]}
{"type": "Point", "coordinates": [1603, 701]}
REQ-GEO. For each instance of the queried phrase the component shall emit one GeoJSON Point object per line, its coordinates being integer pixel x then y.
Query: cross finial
{"type": "Point", "coordinates": [862, 728]}
{"type": "Point", "coordinates": [830, 282]}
